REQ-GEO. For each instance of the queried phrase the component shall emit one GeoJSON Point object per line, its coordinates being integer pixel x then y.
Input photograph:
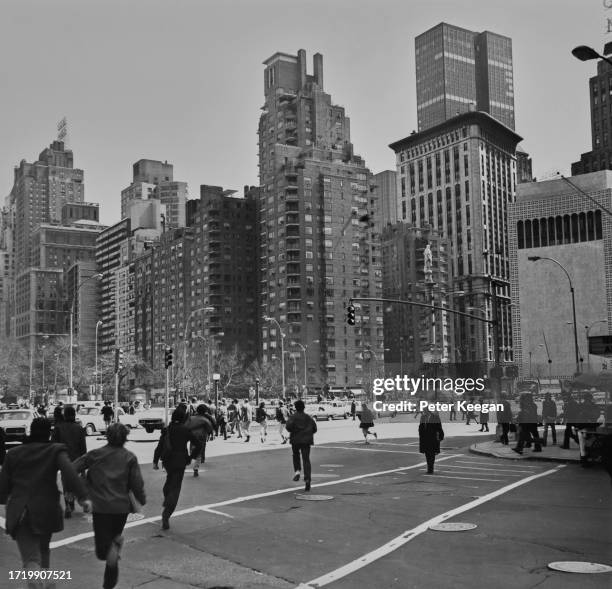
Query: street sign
{"type": "Point", "coordinates": [600, 345]}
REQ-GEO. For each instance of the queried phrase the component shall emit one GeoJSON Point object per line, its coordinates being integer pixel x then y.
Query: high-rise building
{"type": "Point", "coordinates": [552, 219]}
{"type": "Point", "coordinates": [459, 70]}
{"type": "Point", "coordinates": [459, 179]}
{"type": "Point", "coordinates": [315, 252]}
{"type": "Point", "coordinates": [600, 95]}
{"type": "Point", "coordinates": [387, 188]}
{"type": "Point", "coordinates": [154, 179]}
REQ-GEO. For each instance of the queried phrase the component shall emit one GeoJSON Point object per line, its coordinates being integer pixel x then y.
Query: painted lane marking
{"type": "Point", "coordinates": [371, 450]}
{"type": "Point", "coordinates": [441, 476]}
{"type": "Point", "coordinates": [156, 518]}
{"type": "Point", "coordinates": [216, 512]}
{"type": "Point", "coordinates": [408, 535]}
{"type": "Point", "coordinates": [492, 463]}
{"type": "Point", "coordinates": [490, 469]}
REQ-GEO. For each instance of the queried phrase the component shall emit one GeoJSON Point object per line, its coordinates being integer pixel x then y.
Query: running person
{"type": "Point", "coordinates": [302, 428]}
{"type": "Point", "coordinates": [367, 422]}
{"type": "Point", "coordinates": [261, 417]}
{"type": "Point", "coordinates": [282, 414]}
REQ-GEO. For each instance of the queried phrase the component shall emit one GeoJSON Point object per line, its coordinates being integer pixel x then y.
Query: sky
{"type": "Point", "coordinates": [182, 80]}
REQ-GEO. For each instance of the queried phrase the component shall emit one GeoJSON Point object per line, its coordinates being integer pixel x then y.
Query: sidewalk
{"type": "Point", "coordinates": [548, 454]}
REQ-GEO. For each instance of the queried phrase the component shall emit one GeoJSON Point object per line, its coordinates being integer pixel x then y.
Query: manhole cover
{"type": "Point", "coordinates": [452, 527]}
{"type": "Point", "coordinates": [134, 517]}
{"type": "Point", "coordinates": [331, 465]}
{"type": "Point", "coordinates": [579, 567]}
{"type": "Point", "coordinates": [314, 497]}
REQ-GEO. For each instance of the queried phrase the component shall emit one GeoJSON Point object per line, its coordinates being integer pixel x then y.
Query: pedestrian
{"type": "Point", "coordinates": [193, 406]}
{"type": "Point", "coordinates": [453, 411]}
{"type": "Point", "coordinates": [72, 435]}
{"type": "Point", "coordinates": [233, 416]}
{"type": "Point", "coordinates": [549, 419]}
{"type": "Point", "coordinates": [353, 409]}
{"type": "Point", "coordinates": [483, 418]}
{"type": "Point", "coordinates": [113, 478]}
{"type": "Point", "coordinates": [528, 424]}
{"type": "Point", "coordinates": [504, 418]}
{"type": "Point", "coordinates": [222, 418]}
{"type": "Point", "coordinates": [58, 415]}
{"type": "Point", "coordinates": [571, 417]}
{"type": "Point", "coordinates": [107, 414]}
{"type": "Point", "coordinates": [172, 450]}
{"type": "Point", "coordinates": [367, 422]}
{"type": "Point", "coordinates": [2, 446]}
{"type": "Point", "coordinates": [131, 408]}
{"type": "Point", "coordinates": [246, 416]}
{"type": "Point", "coordinates": [470, 414]}
{"type": "Point", "coordinates": [301, 428]}
{"type": "Point", "coordinates": [430, 436]}
{"type": "Point", "coordinates": [261, 417]}
{"type": "Point", "coordinates": [282, 414]}
{"type": "Point", "coordinates": [201, 426]}
{"type": "Point", "coordinates": [28, 487]}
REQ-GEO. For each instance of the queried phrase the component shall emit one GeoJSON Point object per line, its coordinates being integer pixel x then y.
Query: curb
{"type": "Point", "coordinates": [475, 450]}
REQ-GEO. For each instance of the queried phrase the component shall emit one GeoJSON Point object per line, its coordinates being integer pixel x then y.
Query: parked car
{"type": "Point", "coordinates": [338, 409]}
{"type": "Point", "coordinates": [152, 419]}
{"type": "Point", "coordinates": [16, 423]}
{"type": "Point", "coordinates": [92, 420]}
{"type": "Point", "coordinates": [318, 412]}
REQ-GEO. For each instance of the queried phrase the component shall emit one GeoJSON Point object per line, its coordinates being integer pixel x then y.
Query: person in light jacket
{"type": "Point", "coordinates": [367, 422]}
{"type": "Point", "coordinates": [28, 487]}
{"type": "Point", "coordinates": [112, 474]}
{"type": "Point", "coordinates": [430, 436]}
{"type": "Point", "coordinates": [301, 428]}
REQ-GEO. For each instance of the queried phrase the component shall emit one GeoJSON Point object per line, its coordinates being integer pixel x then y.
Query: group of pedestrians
{"type": "Point", "coordinates": [110, 485]}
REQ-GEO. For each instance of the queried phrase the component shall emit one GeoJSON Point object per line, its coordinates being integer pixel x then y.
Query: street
{"type": "Point", "coordinates": [242, 524]}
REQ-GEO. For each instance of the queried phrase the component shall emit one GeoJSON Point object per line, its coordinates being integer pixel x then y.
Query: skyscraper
{"type": "Point", "coordinates": [315, 253]}
{"type": "Point", "coordinates": [459, 70]}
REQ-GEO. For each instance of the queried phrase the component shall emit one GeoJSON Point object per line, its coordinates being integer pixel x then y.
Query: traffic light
{"type": "Point", "coordinates": [168, 357]}
{"type": "Point", "coordinates": [119, 360]}
{"type": "Point", "coordinates": [350, 315]}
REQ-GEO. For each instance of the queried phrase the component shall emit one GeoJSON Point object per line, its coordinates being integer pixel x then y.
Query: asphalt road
{"type": "Point", "coordinates": [241, 524]}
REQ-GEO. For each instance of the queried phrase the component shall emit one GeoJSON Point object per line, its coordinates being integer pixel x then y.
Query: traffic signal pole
{"type": "Point", "coordinates": [166, 396]}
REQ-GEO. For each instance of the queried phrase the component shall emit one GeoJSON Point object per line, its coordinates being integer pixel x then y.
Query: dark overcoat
{"type": "Point", "coordinates": [430, 433]}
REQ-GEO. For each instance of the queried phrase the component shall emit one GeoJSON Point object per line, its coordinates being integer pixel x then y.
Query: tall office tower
{"type": "Point", "coordinates": [6, 268]}
{"type": "Point", "coordinates": [154, 179]}
{"type": "Point", "coordinates": [315, 252]}
{"type": "Point", "coordinates": [600, 93]}
{"type": "Point", "coordinates": [387, 188]}
{"type": "Point", "coordinates": [116, 248]}
{"type": "Point", "coordinates": [459, 178]}
{"type": "Point", "coordinates": [39, 192]}
{"type": "Point", "coordinates": [416, 339]}
{"type": "Point", "coordinates": [459, 70]}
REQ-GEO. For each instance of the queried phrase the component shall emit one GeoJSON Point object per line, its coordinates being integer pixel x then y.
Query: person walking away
{"type": "Point", "coordinates": [222, 419]}
{"type": "Point", "coordinates": [367, 422]}
{"type": "Point", "coordinates": [588, 414]}
{"type": "Point", "coordinates": [549, 418]}
{"type": "Point", "coordinates": [58, 415]}
{"type": "Point", "coordinates": [430, 436]}
{"type": "Point", "coordinates": [261, 417]}
{"type": "Point", "coordinates": [453, 410]}
{"type": "Point", "coordinates": [246, 416]}
{"type": "Point", "coordinates": [112, 475]}
{"type": "Point", "coordinates": [131, 408]}
{"type": "Point", "coordinates": [301, 428]}
{"type": "Point", "coordinates": [570, 417]}
{"type": "Point", "coordinates": [470, 414]}
{"type": "Point", "coordinates": [233, 416]}
{"type": "Point", "coordinates": [72, 435]}
{"type": "Point", "coordinates": [282, 414]}
{"type": "Point", "coordinates": [201, 426]}
{"type": "Point", "coordinates": [483, 418]}
{"type": "Point", "coordinates": [353, 409]}
{"type": "Point", "coordinates": [504, 418]}
{"type": "Point", "coordinates": [172, 450]}
{"type": "Point", "coordinates": [107, 413]}
{"type": "Point", "coordinates": [528, 424]}
{"type": "Point", "coordinates": [28, 487]}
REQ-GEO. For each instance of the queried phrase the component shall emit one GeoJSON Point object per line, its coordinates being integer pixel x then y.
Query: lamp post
{"type": "Point", "coordinates": [266, 318]}
{"type": "Point", "coordinates": [76, 292]}
{"type": "Point", "coordinates": [96, 380]}
{"type": "Point", "coordinates": [207, 309]}
{"type": "Point", "coordinates": [577, 355]}
{"type": "Point", "coordinates": [304, 349]}
{"type": "Point", "coordinates": [588, 331]}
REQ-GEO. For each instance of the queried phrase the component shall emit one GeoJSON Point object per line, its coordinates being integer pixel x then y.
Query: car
{"type": "Point", "coordinates": [318, 412]}
{"type": "Point", "coordinates": [92, 420]}
{"type": "Point", "coordinates": [338, 409]}
{"type": "Point", "coordinates": [16, 423]}
{"type": "Point", "coordinates": [152, 419]}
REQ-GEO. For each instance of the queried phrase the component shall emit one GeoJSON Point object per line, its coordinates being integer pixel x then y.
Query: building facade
{"type": "Point", "coordinates": [387, 188]}
{"type": "Point", "coordinates": [552, 219]}
{"type": "Point", "coordinates": [459, 179]}
{"type": "Point", "coordinates": [457, 69]}
{"type": "Point", "coordinates": [315, 253]}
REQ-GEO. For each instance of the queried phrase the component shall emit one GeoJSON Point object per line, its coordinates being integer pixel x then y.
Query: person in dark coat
{"type": "Point", "coordinates": [528, 424]}
{"type": "Point", "coordinates": [71, 434]}
{"type": "Point", "coordinates": [504, 418]}
{"type": "Point", "coordinates": [112, 474]}
{"type": "Point", "coordinates": [484, 419]}
{"type": "Point", "coordinates": [430, 436]}
{"type": "Point", "coordinates": [549, 418]}
{"type": "Point", "coordinates": [28, 487]}
{"type": "Point", "coordinates": [172, 450]}
{"type": "Point", "coordinates": [353, 409]}
{"type": "Point", "coordinates": [571, 417]}
{"type": "Point", "coordinates": [2, 446]}
{"type": "Point", "coordinates": [201, 426]}
{"type": "Point", "coordinates": [301, 428]}
{"type": "Point", "coordinates": [58, 415]}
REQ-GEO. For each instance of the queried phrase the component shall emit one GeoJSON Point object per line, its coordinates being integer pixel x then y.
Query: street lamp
{"type": "Point", "coordinates": [75, 294]}
{"type": "Point", "coordinates": [96, 379]}
{"type": "Point", "coordinates": [304, 348]}
{"type": "Point", "coordinates": [208, 310]}
{"type": "Point", "coordinates": [538, 258]}
{"type": "Point", "coordinates": [206, 340]}
{"type": "Point", "coordinates": [266, 318]}
{"type": "Point", "coordinates": [584, 53]}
